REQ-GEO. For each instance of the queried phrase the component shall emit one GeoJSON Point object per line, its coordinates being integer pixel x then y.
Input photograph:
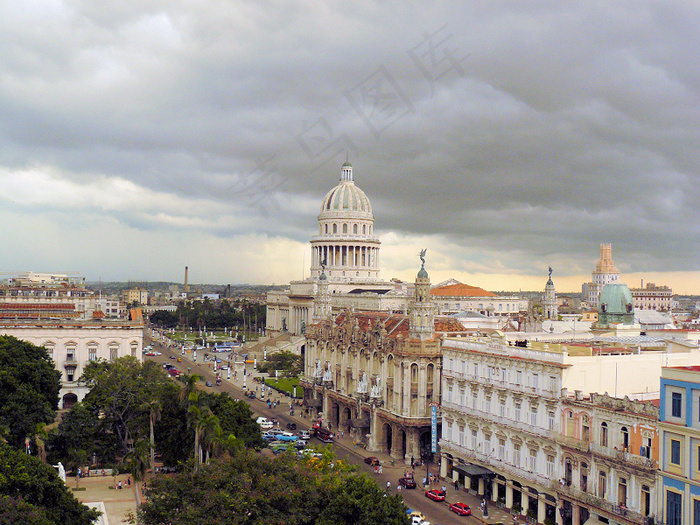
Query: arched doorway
{"type": "Point", "coordinates": [345, 420]}
{"type": "Point", "coordinates": [401, 445]}
{"type": "Point", "coordinates": [69, 400]}
{"type": "Point", "coordinates": [335, 416]}
{"type": "Point", "coordinates": [388, 437]}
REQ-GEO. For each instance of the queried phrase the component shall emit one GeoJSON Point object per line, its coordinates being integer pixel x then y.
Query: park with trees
{"type": "Point", "coordinates": [134, 413]}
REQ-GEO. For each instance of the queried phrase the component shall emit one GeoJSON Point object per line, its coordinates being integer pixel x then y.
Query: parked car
{"type": "Point", "coordinates": [304, 434]}
{"type": "Point", "coordinates": [372, 461]}
{"type": "Point", "coordinates": [264, 423]}
{"type": "Point", "coordinates": [287, 436]}
{"type": "Point", "coordinates": [173, 357]}
{"type": "Point", "coordinates": [461, 508]}
{"type": "Point", "coordinates": [291, 426]}
{"type": "Point", "coordinates": [208, 383]}
{"type": "Point", "coordinates": [174, 372]}
{"type": "Point", "coordinates": [435, 495]}
{"type": "Point", "coordinates": [407, 483]}
{"type": "Point", "coordinates": [251, 394]}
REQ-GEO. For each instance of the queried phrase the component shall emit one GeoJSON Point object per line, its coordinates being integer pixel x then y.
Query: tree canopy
{"type": "Point", "coordinates": [31, 492]}
{"type": "Point", "coordinates": [29, 386]}
{"type": "Point", "coordinates": [250, 488]}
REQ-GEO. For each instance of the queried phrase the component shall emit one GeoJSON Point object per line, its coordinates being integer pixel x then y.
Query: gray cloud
{"type": "Point", "coordinates": [528, 131]}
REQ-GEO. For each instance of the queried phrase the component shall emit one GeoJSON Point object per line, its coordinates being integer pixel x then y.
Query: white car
{"type": "Point", "coordinates": [264, 423]}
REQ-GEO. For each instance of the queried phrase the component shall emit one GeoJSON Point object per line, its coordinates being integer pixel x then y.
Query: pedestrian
{"type": "Point", "coordinates": [398, 487]}
{"type": "Point", "coordinates": [381, 469]}
{"type": "Point", "coordinates": [413, 463]}
{"type": "Point", "coordinates": [128, 481]}
{"type": "Point", "coordinates": [120, 485]}
{"type": "Point", "coordinates": [376, 469]}
{"type": "Point", "coordinates": [456, 485]}
{"type": "Point", "coordinates": [444, 490]}
{"type": "Point", "coordinates": [388, 486]}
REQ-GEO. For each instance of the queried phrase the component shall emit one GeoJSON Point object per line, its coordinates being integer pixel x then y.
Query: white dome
{"type": "Point", "coordinates": [346, 197]}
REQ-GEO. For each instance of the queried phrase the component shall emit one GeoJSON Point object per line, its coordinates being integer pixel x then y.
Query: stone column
{"type": "Point", "coordinates": [509, 495]}
{"type": "Point", "coordinates": [373, 444]}
{"type": "Point", "coordinates": [557, 508]}
{"type": "Point", "coordinates": [467, 482]}
{"type": "Point", "coordinates": [494, 490]}
{"type": "Point", "coordinates": [575, 515]}
{"type": "Point", "coordinates": [541, 509]}
{"type": "Point", "coordinates": [480, 491]}
{"type": "Point", "coordinates": [443, 468]}
{"type": "Point", "coordinates": [525, 501]}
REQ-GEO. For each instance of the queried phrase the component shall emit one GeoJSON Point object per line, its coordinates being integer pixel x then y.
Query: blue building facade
{"type": "Point", "coordinates": [679, 427]}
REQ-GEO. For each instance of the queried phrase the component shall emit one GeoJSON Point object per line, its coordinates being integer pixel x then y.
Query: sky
{"type": "Point", "coordinates": [140, 137]}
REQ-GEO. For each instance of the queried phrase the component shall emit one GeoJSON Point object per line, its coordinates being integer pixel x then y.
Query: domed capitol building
{"type": "Point", "coordinates": [346, 252]}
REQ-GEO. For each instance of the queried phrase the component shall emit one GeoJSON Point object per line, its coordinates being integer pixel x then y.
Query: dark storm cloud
{"type": "Point", "coordinates": [545, 128]}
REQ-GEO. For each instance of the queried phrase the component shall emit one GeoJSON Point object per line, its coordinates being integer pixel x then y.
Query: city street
{"type": "Point", "coordinates": [435, 512]}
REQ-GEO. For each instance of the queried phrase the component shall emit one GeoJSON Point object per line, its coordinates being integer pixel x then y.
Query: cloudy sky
{"type": "Point", "coordinates": [137, 137]}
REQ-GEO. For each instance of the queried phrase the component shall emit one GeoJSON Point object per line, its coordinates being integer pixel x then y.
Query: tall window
{"type": "Point", "coordinates": [604, 434]}
{"type": "Point", "coordinates": [113, 353]}
{"type": "Point", "coordinates": [519, 377]}
{"type": "Point", "coordinates": [460, 437]}
{"type": "Point", "coordinates": [516, 455]}
{"type": "Point", "coordinates": [532, 461]}
{"type": "Point", "coordinates": [602, 485]}
{"type": "Point", "coordinates": [501, 448]}
{"type": "Point", "coordinates": [584, 477]}
{"type": "Point", "coordinates": [533, 415]}
{"type": "Point", "coordinates": [502, 407]}
{"type": "Point", "coordinates": [461, 397]}
{"type": "Point", "coordinates": [504, 375]}
{"type": "Point", "coordinates": [622, 492]}
{"type": "Point", "coordinates": [676, 402]}
{"type": "Point", "coordinates": [92, 353]}
{"type": "Point", "coordinates": [675, 452]}
{"type": "Point", "coordinates": [585, 429]}
{"type": "Point", "coordinates": [550, 466]}
{"type": "Point", "coordinates": [674, 508]}
{"type": "Point", "coordinates": [487, 444]}
{"type": "Point", "coordinates": [517, 411]}
{"type": "Point", "coordinates": [646, 503]}
{"type": "Point", "coordinates": [447, 432]}
{"type": "Point", "coordinates": [473, 439]}
{"type": "Point", "coordinates": [550, 420]}
{"type": "Point", "coordinates": [625, 438]}
{"type": "Point", "coordinates": [476, 369]}
{"type": "Point", "coordinates": [475, 399]}
{"type": "Point", "coordinates": [535, 381]}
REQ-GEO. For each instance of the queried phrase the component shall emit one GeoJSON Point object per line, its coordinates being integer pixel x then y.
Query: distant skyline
{"type": "Point", "coordinates": [141, 137]}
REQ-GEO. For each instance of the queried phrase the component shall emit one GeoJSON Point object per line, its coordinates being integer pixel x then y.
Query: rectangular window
{"type": "Point", "coordinates": [550, 421]}
{"type": "Point", "coordinates": [533, 415]}
{"type": "Point", "coordinates": [516, 455]}
{"type": "Point", "coordinates": [476, 369]}
{"type": "Point", "coordinates": [553, 383]}
{"type": "Point", "coordinates": [487, 445]}
{"type": "Point", "coordinates": [535, 381]}
{"type": "Point", "coordinates": [447, 432]}
{"type": "Point", "coordinates": [473, 438]}
{"type": "Point", "coordinates": [92, 354]}
{"type": "Point", "coordinates": [501, 449]}
{"type": "Point", "coordinates": [475, 399]}
{"type": "Point", "coordinates": [550, 466]}
{"type": "Point", "coordinates": [461, 397]}
{"type": "Point", "coordinates": [696, 512]}
{"type": "Point", "coordinates": [517, 412]}
{"type": "Point", "coordinates": [674, 508]}
{"type": "Point", "coordinates": [532, 461]}
{"type": "Point", "coordinates": [504, 375]}
{"type": "Point", "coordinates": [676, 402]}
{"type": "Point", "coordinates": [460, 437]}
{"type": "Point", "coordinates": [519, 377]}
{"type": "Point", "coordinates": [675, 452]}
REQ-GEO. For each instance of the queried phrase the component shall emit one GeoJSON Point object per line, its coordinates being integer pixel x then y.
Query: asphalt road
{"type": "Point", "coordinates": [435, 512]}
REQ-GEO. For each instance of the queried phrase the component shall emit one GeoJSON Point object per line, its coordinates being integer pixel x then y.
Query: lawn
{"type": "Point", "coordinates": [286, 384]}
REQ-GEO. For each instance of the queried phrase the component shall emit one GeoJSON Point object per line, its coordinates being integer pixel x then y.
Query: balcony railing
{"type": "Point", "coordinates": [599, 503]}
{"type": "Point", "coordinates": [571, 442]}
{"type": "Point", "coordinates": [623, 456]}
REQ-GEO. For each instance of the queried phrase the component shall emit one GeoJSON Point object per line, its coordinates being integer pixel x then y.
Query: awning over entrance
{"type": "Point", "coordinates": [473, 471]}
{"type": "Point", "coordinates": [360, 422]}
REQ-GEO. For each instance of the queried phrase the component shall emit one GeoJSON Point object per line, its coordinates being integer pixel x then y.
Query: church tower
{"type": "Point", "coordinates": [322, 301]}
{"type": "Point", "coordinates": [550, 299]}
{"type": "Point", "coordinates": [422, 313]}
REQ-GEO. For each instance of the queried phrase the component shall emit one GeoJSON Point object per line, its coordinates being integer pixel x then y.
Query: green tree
{"type": "Point", "coordinates": [27, 478]}
{"type": "Point", "coordinates": [29, 386]}
{"type": "Point", "coordinates": [15, 510]}
{"type": "Point", "coordinates": [250, 488]}
{"type": "Point", "coordinates": [288, 363]}
{"type": "Point", "coordinates": [154, 407]}
{"type": "Point", "coordinates": [236, 417]}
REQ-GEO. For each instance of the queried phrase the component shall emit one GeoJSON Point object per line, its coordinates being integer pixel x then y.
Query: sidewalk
{"type": "Point", "coordinates": [100, 493]}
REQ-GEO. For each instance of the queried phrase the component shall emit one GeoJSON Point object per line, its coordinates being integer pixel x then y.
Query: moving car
{"type": "Point", "coordinates": [407, 483]}
{"type": "Point", "coordinates": [264, 423]}
{"type": "Point", "coordinates": [324, 435]}
{"type": "Point", "coordinates": [208, 383]}
{"type": "Point", "coordinates": [251, 394]}
{"type": "Point", "coordinates": [291, 426]}
{"type": "Point", "coordinates": [461, 508]}
{"type": "Point", "coordinates": [372, 461]}
{"type": "Point", "coordinates": [435, 495]}
{"type": "Point", "coordinates": [174, 372]}
{"type": "Point", "coordinates": [173, 357]}
{"type": "Point", "coordinates": [287, 436]}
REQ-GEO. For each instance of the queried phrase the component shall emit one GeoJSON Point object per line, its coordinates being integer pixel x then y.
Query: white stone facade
{"type": "Point", "coordinates": [73, 344]}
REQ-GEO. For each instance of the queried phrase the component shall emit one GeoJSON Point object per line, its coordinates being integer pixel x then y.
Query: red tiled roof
{"type": "Point", "coordinates": [461, 290]}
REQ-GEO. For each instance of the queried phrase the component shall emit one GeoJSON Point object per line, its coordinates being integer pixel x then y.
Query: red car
{"type": "Point", "coordinates": [461, 508]}
{"type": "Point", "coordinates": [435, 495]}
{"type": "Point", "coordinates": [407, 483]}
{"type": "Point", "coordinates": [372, 461]}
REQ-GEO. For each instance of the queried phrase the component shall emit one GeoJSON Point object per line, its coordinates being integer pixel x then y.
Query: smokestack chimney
{"type": "Point", "coordinates": [187, 286]}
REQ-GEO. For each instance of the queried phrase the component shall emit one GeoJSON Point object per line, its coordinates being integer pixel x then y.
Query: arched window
{"type": "Point", "coordinates": [345, 228]}
{"type": "Point", "coordinates": [335, 228]}
{"type": "Point", "coordinates": [625, 438]}
{"type": "Point", "coordinates": [414, 373]}
{"type": "Point", "coordinates": [604, 434]}
{"type": "Point", "coordinates": [354, 229]}
{"type": "Point", "coordinates": [429, 373]}
{"type": "Point", "coordinates": [584, 477]}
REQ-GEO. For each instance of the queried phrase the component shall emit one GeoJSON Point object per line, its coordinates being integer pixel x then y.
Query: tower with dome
{"type": "Point", "coordinates": [344, 270]}
{"type": "Point", "coordinates": [345, 240]}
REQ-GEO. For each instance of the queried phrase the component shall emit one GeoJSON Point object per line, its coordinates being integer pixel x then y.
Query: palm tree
{"type": "Point", "coordinates": [40, 435]}
{"type": "Point", "coordinates": [188, 388]}
{"type": "Point", "coordinates": [137, 459]}
{"type": "Point", "coordinates": [154, 408]}
{"type": "Point", "coordinates": [211, 434]}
